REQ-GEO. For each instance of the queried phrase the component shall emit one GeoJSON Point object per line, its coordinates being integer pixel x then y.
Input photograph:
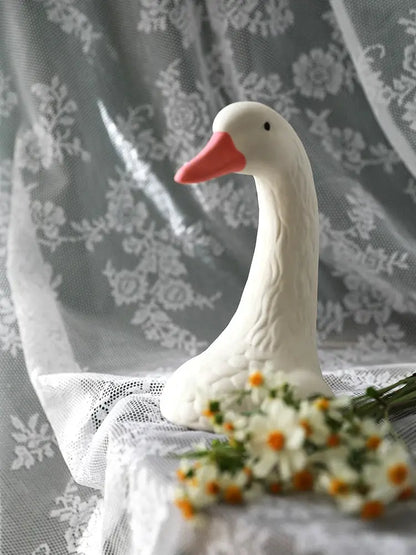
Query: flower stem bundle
{"type": "Point", "coordinates": [276, 443]}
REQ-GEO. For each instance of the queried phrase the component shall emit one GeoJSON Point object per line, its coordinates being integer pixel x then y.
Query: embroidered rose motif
{"type": "Point", "coordinates": [186, 116]}
{"type": "Point", "coordinates": [48, 218]}
{"type": "Point", "coordinates": [36, 149]}
{"type": "Point", "coordinates": [174, 294]}
{"type": "Point", "coordinates": [124, 215]}
{"type": "Point", "coordinates": [317, 74]}
{"type": "Point", "coordinates": [128, 287]}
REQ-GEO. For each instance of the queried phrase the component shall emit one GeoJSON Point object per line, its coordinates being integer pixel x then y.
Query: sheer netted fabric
{"type": "Point", "coordinates": [112, 274]}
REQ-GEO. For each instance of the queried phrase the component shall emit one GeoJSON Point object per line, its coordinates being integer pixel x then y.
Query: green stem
{"type": "Point", "coordinates": [379, 402]}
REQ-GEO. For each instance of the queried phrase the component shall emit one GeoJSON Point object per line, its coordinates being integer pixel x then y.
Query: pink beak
{"type": "Point", "coordinates": [218, 157]}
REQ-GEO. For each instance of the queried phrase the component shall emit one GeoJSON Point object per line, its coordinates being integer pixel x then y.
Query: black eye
{"type": "Point", "coordinates": [267, 126]}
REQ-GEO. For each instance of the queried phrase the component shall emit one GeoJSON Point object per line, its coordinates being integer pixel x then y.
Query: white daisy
{"type": "Point", "coordinates": [391, 475]}
{"type": "Point", "coordinates": [276, 437]}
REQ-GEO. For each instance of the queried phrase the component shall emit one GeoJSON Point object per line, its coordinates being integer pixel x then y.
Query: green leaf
{"type": "Point", "coordinates": [219, 419]}
{"type": "Point", "coordinates": [214, 406]}
{"type": "Point", "coordinates": [357, 458]}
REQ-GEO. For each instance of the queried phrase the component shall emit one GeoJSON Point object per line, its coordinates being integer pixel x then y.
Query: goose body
{"type": "Point", "coordinates": [274, 326]}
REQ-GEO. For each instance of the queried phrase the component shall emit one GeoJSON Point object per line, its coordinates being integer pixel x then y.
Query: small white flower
{"type": "Point", "coordinates": [340, 478]}
{"type": "Point", "coordinates": [262, 382]}
{"type": "Point", "coordinates": [372, 432]}
{"type": "Point", "coordinates": [392, 473]}
{"type": "Point", "coordinates": [203, 488]}
{"type": "Point", "coordinates": [276, 438]}
{"type": "Point", "coordinates": [233, 425]}
{"type": "Point", "coordinates": [313, 422]}
{"type": "Point", "coordinates": [233, 486]}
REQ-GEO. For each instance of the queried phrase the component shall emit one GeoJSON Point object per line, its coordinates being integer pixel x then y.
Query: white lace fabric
{"type": "Point", "coordinates": [112, 274]}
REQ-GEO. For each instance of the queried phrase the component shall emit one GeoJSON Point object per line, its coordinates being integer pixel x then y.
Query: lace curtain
{"type": "Point", "coordinates": [112, 274]}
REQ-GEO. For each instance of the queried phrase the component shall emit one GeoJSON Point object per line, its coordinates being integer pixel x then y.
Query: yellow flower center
{"type": "Point", "coordinates": [212, 488]}
{"type": "Point", "coordinates": [322, 404]}
{"type": "Point", "coordinates": [398, 474]}
{"type": "Point", "coordinates": [248, 472]}
{"type": "Point", "coordinates": [276, 440]}
{"type": "Point", "coordinates": [307, 427]}
{"type": "Point", "coordinates": [372, 509]}
{"type": "Point", "coordinates": [333, 440]}
{"type": "Point", "coordinates": [275, 488]}
{"type": "Point", "coordinates": [256, 379]}
{"type": "Point", "coordinates": [185, 506]}
{"type": "Point", "coordinates": [229, 426]}
{"type": "Point", "coordinates": [338, 487]}
{"type": "Point", "coordinates": [180, 475]}
{"type": "Point", "coordinates": [406, 493]}
{"type": "Point", "coordinates": [233, 495]}
{"type": "Point", "coordinates": [373, 442]}
{"type": "Point", "coordinates": [303, 480]}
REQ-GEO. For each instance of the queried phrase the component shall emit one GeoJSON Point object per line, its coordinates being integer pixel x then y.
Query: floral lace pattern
{"type": "Point", "coordinates": [72, 21]}
{"type": "Point", "coordinates": [265, 19]}
{"type": "Point", "coordinates": [391, 90]}
{"type": "Point", "coordinates": [74, 512]}
{"type": "Point", "coordinates": [50, 138]}
{"type": "Point", "coordinates": [34, 442]}
{"type": "Point", "coordinates": [349, 147]}
{"type": "Point", "coordinates": [402, 88]}
{"type": "Point", "coordinates": [268, 18]}
{"type": "Point", "coordinates": [366, 301]}
{"type": "Point", "coordinates": [8, 98]}
{"type": "Point", "coordinates": [10, 341]}
{"type": "Point", "coordinates": [117, 274]}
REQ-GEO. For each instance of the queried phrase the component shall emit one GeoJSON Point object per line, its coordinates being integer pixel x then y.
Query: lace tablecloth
{"type": "Point", "coordinates": [112, 275]}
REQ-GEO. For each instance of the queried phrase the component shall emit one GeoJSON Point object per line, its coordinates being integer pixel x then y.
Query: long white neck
{"type": "Point", "coordinates": [277, 312]}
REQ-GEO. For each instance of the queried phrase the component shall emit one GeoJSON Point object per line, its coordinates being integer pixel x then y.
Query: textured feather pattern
{"type": "Point", "coordinates": [275, 323]}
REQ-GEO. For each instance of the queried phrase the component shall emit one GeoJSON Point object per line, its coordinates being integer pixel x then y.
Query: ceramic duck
{"type": "Point", "coordinates": [275, 323]}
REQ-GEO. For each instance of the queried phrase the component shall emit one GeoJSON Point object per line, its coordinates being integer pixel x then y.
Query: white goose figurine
{"type": "Point", "coordinates": [275, 323]}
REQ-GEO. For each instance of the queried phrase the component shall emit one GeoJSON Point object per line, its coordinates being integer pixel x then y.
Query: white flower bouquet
{"type": "Point", "coordinates": [282, 444]}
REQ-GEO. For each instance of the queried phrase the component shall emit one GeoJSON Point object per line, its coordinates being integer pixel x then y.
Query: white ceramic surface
{"type": "Point", "coordinates": [275, 323]}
